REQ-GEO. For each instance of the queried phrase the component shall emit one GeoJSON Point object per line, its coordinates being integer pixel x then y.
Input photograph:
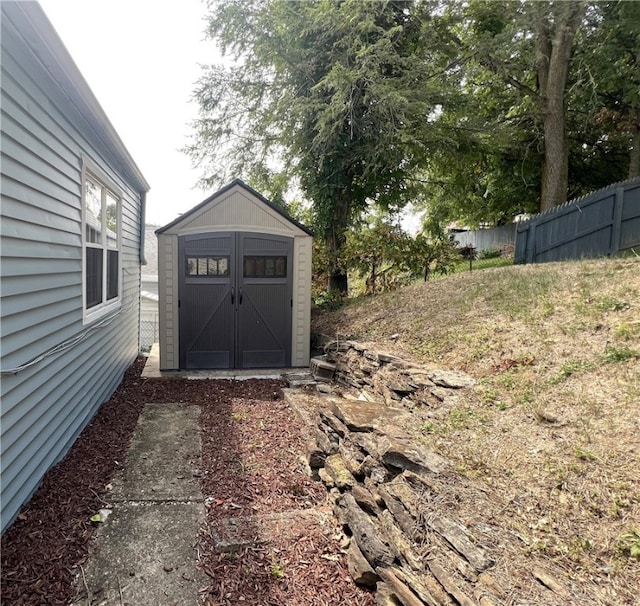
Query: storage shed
{"type": "Point", "coordinates": [234, 285]}
{"type": "Point", "coordinates": [71, 226]}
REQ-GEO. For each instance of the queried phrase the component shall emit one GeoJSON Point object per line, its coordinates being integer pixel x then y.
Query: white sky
{"type": "Point", "coordinates": [141, 59]}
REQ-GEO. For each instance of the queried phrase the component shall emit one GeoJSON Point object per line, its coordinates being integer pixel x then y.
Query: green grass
{"type": "Point", "coordinates": [620, 354]}
{"type": "Point", "coordinates": [629, 544]}
{"type": "Point", "coordinates": [479, 264]}
{"type": "Point", "coordinates": [553, 414]}
{"type": "Point", "coordinates": [569, 368]}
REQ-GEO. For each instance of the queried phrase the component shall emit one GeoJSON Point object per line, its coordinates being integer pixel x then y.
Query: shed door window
{"type": "Point", "coordinates": [101, 228]}
{"type": "Point", "coordinates": [208, 266]}
{"type": "Point", "coordinates": [265, 266]}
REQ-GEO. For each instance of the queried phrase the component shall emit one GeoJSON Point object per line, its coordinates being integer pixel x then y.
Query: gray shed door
{"type": "Point", "coordinates": [235, 300]}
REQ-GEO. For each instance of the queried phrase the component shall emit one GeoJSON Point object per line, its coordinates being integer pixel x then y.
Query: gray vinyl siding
{"type": "Point", "coordinates": [45, 140]}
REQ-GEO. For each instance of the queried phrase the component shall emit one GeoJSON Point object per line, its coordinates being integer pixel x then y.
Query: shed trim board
{"type": "Point", "coordinates": [262, 321]}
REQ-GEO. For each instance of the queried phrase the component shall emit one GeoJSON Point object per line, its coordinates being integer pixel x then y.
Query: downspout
{"type": "Point", "coordinates": [143, 260]}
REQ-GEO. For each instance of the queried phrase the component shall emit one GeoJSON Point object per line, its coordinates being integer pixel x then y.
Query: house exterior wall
{"type": "Point", "coordinates": [235, 210]}
{"type": "Point", "coordinates": [46, 139]}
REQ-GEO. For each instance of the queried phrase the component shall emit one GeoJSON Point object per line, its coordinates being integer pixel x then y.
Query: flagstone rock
{"type": "Point", "coordinates": [364, 532]}
{"type": "Point", "coordinates": [359, 568]}
{"type": "Point", "coordinates": [339, 472]}
{"type": "Point", "coordinates": [408, 454]}
{"type": "Point", "coordinates": [386, 485]}
{"type": "Point", "coordinates": [453, 379]}
{"type": "Point", "coordinates": [366, 416]}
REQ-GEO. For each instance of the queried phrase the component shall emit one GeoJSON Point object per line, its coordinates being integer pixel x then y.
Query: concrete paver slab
{"type": "Point", "coordinates": [145, 556]}
{"type": "Point", "coordinates": [145, 551]}
{"type": "Point", "coordinates": [163, 459]}
{"type": "Point", "coordinates": [152, 371]}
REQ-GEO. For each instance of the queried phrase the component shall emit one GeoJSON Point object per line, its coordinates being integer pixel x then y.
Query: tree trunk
{"type": "Point", "coordinates": [555, 170]}
{"type": "Point", "coordinates": [634, 152]}
{"type": "Point", "coordinates": [337, 277]}
{"type": "Point", "coordinates": [370, 284]}
{"type": "Point", "coordinates": [556, 30]}
{"type": "Point", "coordinates": [338, 282]}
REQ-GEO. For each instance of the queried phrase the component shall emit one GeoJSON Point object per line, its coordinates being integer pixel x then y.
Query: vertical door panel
{"type": "Point", "coordinates": [207, 323]}
{"type": "Point", "coordinates": [264, 318]}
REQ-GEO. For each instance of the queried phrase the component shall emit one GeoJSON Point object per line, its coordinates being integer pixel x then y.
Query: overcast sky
{"type": "Point", "coordinates": [141, 59]}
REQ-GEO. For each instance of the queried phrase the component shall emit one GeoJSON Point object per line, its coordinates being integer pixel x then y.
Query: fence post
{"type": "Point", "coordinates": [616, 224]}
{"type": "Point", "coordinates": [531, 243]}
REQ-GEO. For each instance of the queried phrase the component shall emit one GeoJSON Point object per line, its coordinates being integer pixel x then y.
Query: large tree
{"type": "Point", "coordinates": [609, 54]}
{"type": "Point", "coordinates": [340, 95]}
{"type": "Point", "coordinates": [529, 46]}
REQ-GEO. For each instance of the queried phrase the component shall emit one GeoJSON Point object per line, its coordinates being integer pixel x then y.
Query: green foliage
{"type": "Point", "coordinates": [497, 117]}
{"type": "Point", "coordinates": [490, 253]}
{"type": "Point", "coordinates": [342, 90]}
{"type": "Point", "coordinates": [620, 354]}
{"type": "Point", "coordinates": [610, 304]}
{"type": "Point", "coordinates": [364, 103]}
{"type": "Point", "coordinates": [428, 256]}
{"type": "Point", "coordinates": [380, 252]}
{"type": "Point", "coordinates": [569, 368]}
{"type": "Point", "coordinates": [629, 544]}
{"type": "Point", "coordinates": [584, 455]}
{"type": "Point", "coordinates": [470, 253]}
{"type": "Point", "coordinates": [377, 252]}
{"type": "Point", "coordinates": [605, 100]}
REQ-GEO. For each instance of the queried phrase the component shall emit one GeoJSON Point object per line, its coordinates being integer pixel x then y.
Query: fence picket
{"type": "Point", "coordinates": [588, 226]}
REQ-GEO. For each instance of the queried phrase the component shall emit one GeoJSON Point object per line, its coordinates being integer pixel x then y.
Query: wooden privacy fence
{"type": "Point", "coordinates": [602, 223]}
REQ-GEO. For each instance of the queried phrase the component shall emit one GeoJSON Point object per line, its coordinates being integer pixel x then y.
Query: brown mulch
{"type": "Point", "coordinates": [251, 454]}
{"type": "Point", "coordinates": [251, 449]}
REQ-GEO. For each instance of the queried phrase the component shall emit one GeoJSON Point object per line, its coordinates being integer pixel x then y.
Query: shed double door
{"type": "Point", "coordinates": [235, 300]}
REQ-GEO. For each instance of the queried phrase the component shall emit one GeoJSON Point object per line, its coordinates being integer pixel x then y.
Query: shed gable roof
{"type": "Point", "coordinates": [231, 207]}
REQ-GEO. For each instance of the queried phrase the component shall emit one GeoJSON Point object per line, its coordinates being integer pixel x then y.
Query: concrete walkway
{"type": "Point", "coordinates": [145, 550]}
{"type": "Point", "coordinates": [295, 376]}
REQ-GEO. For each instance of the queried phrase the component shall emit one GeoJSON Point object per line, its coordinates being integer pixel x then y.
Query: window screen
{"type": "Point", "coordinates": [94, 276]}
{"type": "Point", "coordinates": [112, 274]}
{"type": "Point", "coordinates": [102, 244]}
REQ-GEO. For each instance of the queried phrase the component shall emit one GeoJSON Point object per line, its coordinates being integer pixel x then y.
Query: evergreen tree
{"type": "Point", "coordinates": [341, 93]}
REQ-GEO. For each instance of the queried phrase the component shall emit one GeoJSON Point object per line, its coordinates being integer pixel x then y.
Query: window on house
{"type": "Point", "coordinates": [101, 224]}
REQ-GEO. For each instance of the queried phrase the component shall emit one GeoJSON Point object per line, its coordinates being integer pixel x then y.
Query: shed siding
{"type": "Point", "coordinates": [168, 300]}
{"type": "Point", "coordinates": [45, 406]}
{"type": "Point", "coordinates": [236, 210]}
{"type": "Point", "coordinates": [300, 347]}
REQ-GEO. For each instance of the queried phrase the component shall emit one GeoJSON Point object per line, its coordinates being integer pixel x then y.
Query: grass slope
{"type": "Point", "coordinates": [553, 426]}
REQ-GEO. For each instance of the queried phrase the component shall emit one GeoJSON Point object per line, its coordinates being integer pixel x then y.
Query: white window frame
{"type": "Point", "coordinates": [89, 170]}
